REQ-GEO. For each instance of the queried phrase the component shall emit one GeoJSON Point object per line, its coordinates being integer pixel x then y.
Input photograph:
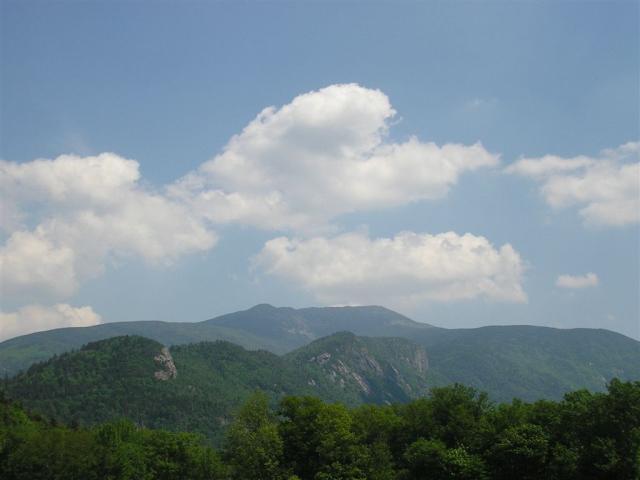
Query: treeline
{"type": "Point", "coordinates": [455, 433]}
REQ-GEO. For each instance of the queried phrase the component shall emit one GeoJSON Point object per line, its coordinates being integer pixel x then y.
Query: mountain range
{"type": "Point", "coordinates": [197, 387]}
{"type": "Point", "coordinates": [506, 361]}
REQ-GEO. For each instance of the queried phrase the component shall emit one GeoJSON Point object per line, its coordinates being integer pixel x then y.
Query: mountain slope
{"type": "Point", "coordinates": [18, 353]}
{"type": "Point", "coordinates": [531, 362]}
{"type": "Point", "coordinates": [296, 327]}
{"type": "Point", "coordinates": [188, 387]}
{"type": "Point", "coordinates": [196, 387]}
{"type": "Point", "coordinates": [374, 370]}
{"type": "Point", "coordinates": [506, 361]}
{"type": "Point", "coordinates": [277, 330]}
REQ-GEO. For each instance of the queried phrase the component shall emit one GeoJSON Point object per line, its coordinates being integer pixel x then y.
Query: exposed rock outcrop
{"type": "Point", "coordinates": [321, 359]}
{"type": "Point", "coordinates": [165, 362]}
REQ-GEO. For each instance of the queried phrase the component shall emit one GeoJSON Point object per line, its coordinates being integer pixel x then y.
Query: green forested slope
{"type": "Point", "coordinates": [199, 387]}
{"type": "Point", "coordinates": [116, 378]}
{"type": "Point", "coordinates": [506, 361]}
{"type": "Point", "coordinates": [19, 353]}
{"type": "Point", "coordinates": [531, 362]}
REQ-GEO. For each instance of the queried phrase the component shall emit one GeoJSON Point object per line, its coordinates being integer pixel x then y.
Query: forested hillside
{"type": "Point", "coordinates": [531, 362]}
{"type": "Point", "coordinates": [506, 361]}
{"type": "Point", "coordinates": [455, 434]}
{"type": "Point", "coordinates": [196, 387]}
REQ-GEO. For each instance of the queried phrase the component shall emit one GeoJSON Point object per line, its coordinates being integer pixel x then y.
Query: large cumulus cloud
{"type": "Point", "coordinates": [405, 269]}
{"type": "Point", "coordinates": [324, 154]}
{"type": "Point", "coordinates": [66, 217]}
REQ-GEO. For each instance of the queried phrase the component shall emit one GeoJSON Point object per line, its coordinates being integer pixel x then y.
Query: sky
{"type": "Point", "coordinates": [463, 163]}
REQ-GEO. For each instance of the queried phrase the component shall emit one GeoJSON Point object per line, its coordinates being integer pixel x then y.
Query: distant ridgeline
{"type": "Point", "coordinates": [454, 433]}
{"type": "Point", "coordinates": [506, 361]}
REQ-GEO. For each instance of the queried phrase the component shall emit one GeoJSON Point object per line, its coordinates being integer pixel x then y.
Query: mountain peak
{"type": "Point", "coordinates": [296, 327]}
{"type": "Point", "coordinates": [262, 307]}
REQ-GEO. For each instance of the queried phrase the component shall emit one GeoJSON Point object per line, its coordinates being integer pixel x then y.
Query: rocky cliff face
{"type": "Point", "coordinates": [394, 370]}
{"type": "Point", "coordinates": [168, 369]}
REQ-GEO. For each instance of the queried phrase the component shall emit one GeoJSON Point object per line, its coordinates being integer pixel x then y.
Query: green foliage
{"type": "Point", "coordinates": [521, 451]}
{"type": "Point", "coordinates": [33, 449]}
{"type": "Point", "coordinates": [431, 459]}
{"type": "Point", "coordinates": [319, 439]}
{"type": "Point", "coordinates": [454, 433]}
{"type": "Point", "coordinates": [605, 430]}
{"type": "Point", "coordinates": [253, 447]}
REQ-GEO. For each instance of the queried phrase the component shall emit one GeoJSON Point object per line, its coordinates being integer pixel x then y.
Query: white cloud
{"type": "Point", "coordinates": [322, 155]}
{"type": "Point", "coordinates": [84, 211]}
{"type": "Point", "coordinates": [542, 167]}
{"type": "Point", "coordinates": [294, 168]}
{"type": "Point", "coordinates": [577, 281]}
{"type": "Point", "coordinates": [31, 263]}
{"type": "Point", "coordinates": [35, 318]}
{"type": "Point", "coordinates": [606, 189]}
{"type": "Point", "coordinates": [407, 269]}
{"type": "Point", "coordinates": [69, 180]}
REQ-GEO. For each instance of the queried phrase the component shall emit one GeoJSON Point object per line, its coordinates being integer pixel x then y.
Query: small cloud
{"type": "Point", "coordinates": [605, 189]}
{"type": "Point", "coordinates": [577, 281]}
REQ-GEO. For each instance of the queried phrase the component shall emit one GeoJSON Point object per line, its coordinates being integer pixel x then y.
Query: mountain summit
{"type": "Point", "coordinates": [302, 325]}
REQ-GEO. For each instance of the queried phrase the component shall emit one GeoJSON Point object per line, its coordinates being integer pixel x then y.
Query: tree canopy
{"type": "Point", "coordinates": [454, 433]}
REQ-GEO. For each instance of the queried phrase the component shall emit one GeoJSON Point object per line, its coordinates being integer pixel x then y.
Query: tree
{"type": "Point", "coordinates": [377, 429]}
{"type": "Point", "coordinates": [605, 429]}
{"type": "Point", "coordinates": [457, 412]}
{"type": "Point", "coordinates": [432, 460]}
{"type": "Point", "coordinates": [319, 440]}
{"type": "Point", "coordinates": [520, 452]}
{"type": "Point", "coordinates": [340, 457]}
{"type": "Point", "coordinates": [253, 445]}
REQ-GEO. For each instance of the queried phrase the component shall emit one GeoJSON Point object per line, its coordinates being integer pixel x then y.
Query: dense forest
{"type": "Point", "coordinates": [453, 433]}
{"type": "Point", "coordinates": [118, 378]}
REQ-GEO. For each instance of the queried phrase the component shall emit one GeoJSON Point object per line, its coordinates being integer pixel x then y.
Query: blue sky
{"type": "Point", "coordinates": [168, 84]}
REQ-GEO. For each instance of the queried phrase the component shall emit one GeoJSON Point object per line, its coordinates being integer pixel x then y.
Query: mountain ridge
{"type": "Point", "coordinates": [19, 352]}
{"type": "Point", "coordinates": [529, 362]}
{"type": "Point", "coordinates": [198, 386]}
